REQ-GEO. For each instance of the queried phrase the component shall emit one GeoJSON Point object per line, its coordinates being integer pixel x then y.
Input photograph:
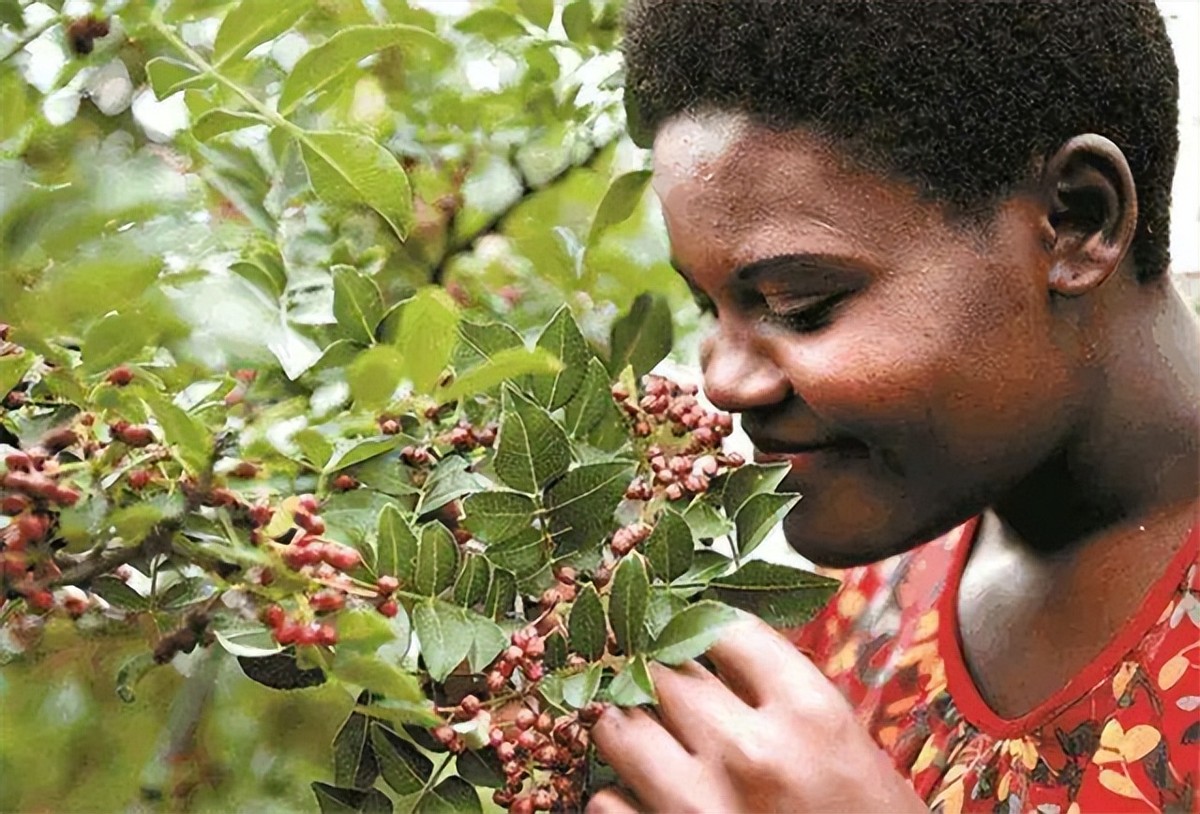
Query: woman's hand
{"type": "Point", "coordinates": [771, 734]}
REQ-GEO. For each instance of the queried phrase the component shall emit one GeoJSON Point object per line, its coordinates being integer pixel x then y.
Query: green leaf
{"type": "Point", "coordinates": [379, 677]}
{"type": "Point", "coordinates": [578, 690]}
{"type": "Point", "coordinates": [778, 594]}
{"type": "Point", "coordinates": [13, 368]}
{"type": "Point", "coordinates": [314, 446]}
{"type": "Point", "coordinates": [374, 375]}
{"type": "Point", "coordinates": [643, 337]}
{"type": "Point", "coordinates": [664, 604]}
{"type": "Point", "coordinates": [357, 304]}
{"type": "Point", "coordinates": [706, 566]}
{"type": "Point", "coordinates": [748, 481]}
{"type": "Point", "coordinates": [263, 276]}
{"type": "Point", "coordinates": [191, 439]}
{"type": "Point", "coordinates": [505, 365]}
{"type": "Point", "coordinates": [619, 203]}
{"type": "Point", "coordinates": [397, 547]}
{"type": "Point", "coordinates": [168, 75]}
{"type": "Point", "coordinates": [404, 768]}
{"type": "Point", "coordinates": [592, 401]}
{"type": "Point", "coordinates": [446, 635]}
{"type": "Point", "coordinates": [706, 521]}
{"type": "Point", "coordinates": [472, 584]}
{"type": "Point", "coordinates": [562, 338]}
{"type": "Point", "coordinates": [758, 516]}
{"type": "Point", "coordinates": [334, 800]}
{"type": "Point", "coordinates": [496, 516]}
{"type": "Point", "coordinates": [354, 763]}
{"type": "Point", "coordinates": [251, 23]}
{"type": "Point", "coordinates": [633, 686]}
{"type": "Point", "coordinates": [452, 796]}
{"type": "Point", "coordinates": [450, 479]}
{"type": "Point", "coordinates": [627, 603]}
{"type": "Point", "coordinates": [481, 768]}
{"type": "Point", "coordinates": [502, 594]}
{"type": "Point", "coordinates": [531, 448]}
{"type": "Point", "coordinates": [254, 643]}
{"type": "Point", "coordinates": [348, 452]}
{"type": "Point", "coordinates": [538, 12]}
{"type": "Point", "coordinates": [427, 336]}
{"type": "Point", "coordinates": [692, 632]}
{"type": "Point", "coordinates": [325, 63]}
{"type": "Point", "coordinates": [492, 24]}
{"type": "Point", "coordinates": [586, 625]}
{"type": "Point", "coordinates": [482, 342]}
{"type": "Point", "coordinates": [582, 503]}
{"type": "Point", "coordinates": [487, 641]}
{"type": "Point", "coordinates": [437, 560]}
{"type": "Point", "coordinates": [524, 555]}
{"type": "Point", "coordinates": [131, 673]}
{"type": "Point", "coordinates": [670, 549]}
{"type": "Point", "coordinates": [346, 169]}
{"type": "Point", "coordinates": [218, 121]}
{"type": "Point", "coordinates": [362, 631]}
{"type": "Point", "coordinates": [577, 20]}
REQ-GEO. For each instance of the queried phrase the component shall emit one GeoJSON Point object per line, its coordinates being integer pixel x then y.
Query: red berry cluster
{"type": "Point", "coordinates": [672, 406]}
{"type": "Point", "coordinates": [465, 436]}
{"type": "Point", "coordinates": [291, 630]}
{"type": "Point", "coordinates": [134, 435]}
{"type": "Point", "coordinates": [307, 549]}
{"type": "Point", "coordinates": [628, 537]}
{"type": "Point", "coordinates": [545, 762]}
{"type": "Point", "coordinates": [525, 654]}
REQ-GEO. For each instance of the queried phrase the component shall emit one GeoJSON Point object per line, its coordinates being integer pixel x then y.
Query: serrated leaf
{"type": "Point", "coordinates": [427, 336]}
{"type": "Point", "coordinates": [524, 555]}
{"type": "Point", "coordinates": [498, 515]}
{"type": "Point", "coordinates": [778, 594]}
{"type": "Point", "coordinates": [481, 768]}
{"type": "Point", "coordinates": [437, 560]}
{"type": "Point", "coordinates": [480, 342]}
{"type": "Point", "coordinates": [663, 606]}
{"type": "Point", "coordinates": [578, 690]}
{"type": "Point", "coordinates": [556, 651]}
{"type": "Point", "coordinates": [627, 603]}
{"type": "Point", "coordinates": [357, 304]}
{"type": "Point", "coordinates": [117, 593]}
{"type": "Point", "coordinates": [502, 594]}
{"type": "Point", "coordinates": [131, 673]}
{"type": "Point", "coordinates": [192, 441]}
{"type": "Point", "coordinates": [758, 516]}
{"type": "Point", "coordinates": [531, 448]}
{"type": "Point", "coordinates": [592, 401]}
{"type": "Point", "coordinates": [445, 633]}
{"type": "Point", "coordinates": [354, 764]}
{"type": "Point", "coordinates": [325, 63]}
{"type": "Point", "coordinates": [450, 479]}
{"type": "Point", "coordinates": [691, 632]}
{"type": "Point", "coordinates": [253, 22]}
{"type": "Point", "coordinates": [168, 75]}
{"type": "Point", "coordinates": [487, 640]}
{"type": "Point", "coordinates": [586, 626]}
{"type": "Point", "coordinates": [334, 800]}
{"type": "Point", "coordinates": [642, 337]}
{"type": "Point", "coordinates": [706, 521]}
{"type": "Point", "coordinates": [669, 548]}
{"type": "Point", "coordinates": [379, 677]}
{"type": "Point", "coordinates": [633, 686]}
{"type": "Point", "coordinates": [472, 584]}
{"type": "Point", "coordinates": [505, 365]}
{"type": "Point", "coordinates": [562, 338]}
{"type": "Point", "coordinates": [451, 796]}
{"type": "Point", "coordinates": [748, 481]}
{"type": "Point", "coordinates": [219, 120]}
{"type": "Point", "coordinates": [404, 768]}
{"type": "Point", "coordinates": [581, 504]}
{"type": "Point", "coordinates": [347, 169]}
{"type": "Point", "coordinates": [396, 547]}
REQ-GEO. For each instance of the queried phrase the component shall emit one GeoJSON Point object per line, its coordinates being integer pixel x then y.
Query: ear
{"type": "Point", "coordinates": [1092, 213]}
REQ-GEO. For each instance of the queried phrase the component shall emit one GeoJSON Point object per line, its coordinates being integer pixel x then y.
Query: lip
{"type": "Point", "coordinates": [805, 456]}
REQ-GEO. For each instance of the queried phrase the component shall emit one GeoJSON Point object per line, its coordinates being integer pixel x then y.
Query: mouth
{"type": "Point", "coordinates": [804, 455]}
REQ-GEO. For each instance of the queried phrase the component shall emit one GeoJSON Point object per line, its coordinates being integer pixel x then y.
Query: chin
{"type": "Point", "coordinates": [838, 545]}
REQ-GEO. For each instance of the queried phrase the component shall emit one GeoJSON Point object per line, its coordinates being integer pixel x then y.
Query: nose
{"type": "Point", "coordinates": [738, 375]}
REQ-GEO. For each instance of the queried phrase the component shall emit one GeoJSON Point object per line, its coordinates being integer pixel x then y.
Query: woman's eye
{"type": "Point", "coordinates": [806, 318]}
{"type": "Point", "coordinates": [703, 302]}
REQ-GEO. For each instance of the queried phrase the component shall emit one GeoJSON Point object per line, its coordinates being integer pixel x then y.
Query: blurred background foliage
{"type": "Point", "coordinates": [138, 224]}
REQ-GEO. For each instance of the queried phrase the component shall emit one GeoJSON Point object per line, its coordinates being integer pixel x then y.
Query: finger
{"type": "Point", "coordinates": [692, 704]}
{"type": "Point", "coordinates": [611, 801]}
{"type": "Point", "coordinates": [644, 755]}
{"type": "Point", "coordinates": [762, 666]}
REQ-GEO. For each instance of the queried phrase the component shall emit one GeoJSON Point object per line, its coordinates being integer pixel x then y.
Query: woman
{"type": "Point", "coordinates": [934, 238]}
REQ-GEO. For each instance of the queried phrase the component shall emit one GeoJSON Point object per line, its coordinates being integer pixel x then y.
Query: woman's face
{"type": "Point", "coordinates": [909, 369]}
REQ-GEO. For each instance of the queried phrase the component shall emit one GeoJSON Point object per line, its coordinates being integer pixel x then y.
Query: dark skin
{"type": "Point", "coordinates": [918, 370]}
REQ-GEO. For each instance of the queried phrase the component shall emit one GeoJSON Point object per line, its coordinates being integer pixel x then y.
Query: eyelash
{"type": "Point", "coordinates": [809, 319]}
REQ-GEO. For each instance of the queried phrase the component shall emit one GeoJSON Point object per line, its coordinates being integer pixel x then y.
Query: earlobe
{"type": "Point", "coordinates": [1091, 211]}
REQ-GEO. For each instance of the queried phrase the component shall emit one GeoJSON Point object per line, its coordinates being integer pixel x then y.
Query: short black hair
{"type": "Point", "coordinates": [960, 97]}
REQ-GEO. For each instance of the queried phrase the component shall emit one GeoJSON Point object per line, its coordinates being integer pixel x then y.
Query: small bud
{"type": "Point", "coordinates": [525, 719]}
{"type": "Point", "coordinates": [470, 705]}
{"type": "Point", "coordinates": [138, 479]}
{"type": "Point", "coordinates": [120, 376]}
{"type": "Point", "coordinates": [344, 483]}
{"type": "Point", "coordinates": [274, 616]}
{"type": "Point", "coordinates": [674, 492]}
{"type": "Point", "coordinates": [309, 503]}
{"type": "Point", "coordinates": [389, 608]}
{"type": "Point", "coordinates": [389, 426]}
{"type": "Point", "coordinates": [387, 585]}
{"type": "Point", "coordinates": [244, 469]}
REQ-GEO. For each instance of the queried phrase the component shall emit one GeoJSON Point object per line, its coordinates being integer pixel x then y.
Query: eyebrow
{"type": "Point", "coordinates": [790, 263]}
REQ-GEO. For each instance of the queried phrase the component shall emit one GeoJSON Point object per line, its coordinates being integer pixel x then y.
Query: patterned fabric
{"type": "Point", "coordinates": [1123, 735]}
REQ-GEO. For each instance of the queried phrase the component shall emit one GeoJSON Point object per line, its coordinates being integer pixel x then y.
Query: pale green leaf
{"type": "Point", "coordinates": [427, 336]}
{"type": "Point", "coordinates": [357, 303]}
{"type": "Point", "coordinates": [505, 365]}
{"type": "Point", "coordinates": [446, 635]}
{"type": "Point", "coordinates": [692, 632]}
{"type": "Point", "coordinates": [378, 676]}
{"type": "Point", "coordinates": [347, 169]}
{"type": "Point", "coordinates": [472, 584]}
{"type": "Point", "coordinates": [633, 686]}
{"type": "Point", "coordinates": [397, 547]}
{"type": "Point", "coordinates": [218, 121]}
{"type": "Point", "coordinates": [374, 375]}
{"type": "Point", "coordinates": [168, 75]}
{"type": "Point", "coordinates": [437, 560]}
{"type": "Point", "coordinates": [748, 481]}
{"type": "Point", "coordinates": [758, 516]}
{"type": "Point", "coordinates": [253, 22]}
{"type": "Point", "coordinates": [538, 12]}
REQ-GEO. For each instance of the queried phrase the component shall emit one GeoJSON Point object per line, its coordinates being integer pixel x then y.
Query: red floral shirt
{"type": "Point", "coordinates": [1123, 735]}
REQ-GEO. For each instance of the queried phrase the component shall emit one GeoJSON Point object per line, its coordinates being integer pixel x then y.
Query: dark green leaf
{"type": "Point", "coordinates": [452, 796]}
{"type": "Point", "coordinates": [357, 305]}
{"type": "Point", "coordinates": [253, 22]}
{"type": "Point", "coordinates": [118, 594]}
{"type": "Point", "coordinates": [524, 554]}
{"type": "Point", "coordinates": [692, 632]}
{"type": "Point", "coordinates": [450, 479]}
{"type": "Point", "coordinates": [334, 800]}
{"type": "Point", "coordinates": [562, 338]}
{"type": "Point", "coordinates": [663, 606]}
{"type": "Point", "coordinates": [581, 504]}
{"type": "Point", "coordinates": [758, 516]}
{"type": "Point", "coordinates": [437, 560]}
{"type": "Point", "coordinates": [397, 547]}
{"type": "Point", "coordinates": [472, 584]}
{"type": "Point", "coordinates": [669, 548]}
{"type": "Point", "coordinates": [643, 337]}
{"type": "Point", "coordinates": [556, 651]}
{"type": "Point", "coordinates": [482, 342]}
{"type": "Point", "coordinates": [354, 764]}
{"type": "Point", "coordinates": [627, 603]}
{"type": "Point", "coordinates": [502, 594]}
{"type": "Point", "coordinates": [446, 635]}
{"type": "Point", "coordinates": [346, 169]}
{"type": "Point", "coordinates": [481, 768]}
{"type": "Point", "coordinates": [404, 768]}
{"type": "Point", "coordinates": [532, 448]}
{"type": "Point", "coordinates": [780, 595]}
{"type": "Point", "coordinates": [748, 481]}
{"type": "Point", "coordinates": [496, 516]}
{"type": "Point", "coordinates": [633, 686]}
{"type": "Point", "coordinates": [592, 401]}
{"type": "Point", "coordinates": [586, 624]}
{"type": "Point", "coordinates": [281, 672]}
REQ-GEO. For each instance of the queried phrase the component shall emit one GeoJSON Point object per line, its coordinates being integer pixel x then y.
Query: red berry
{"type": "Point", "coordinates": [287, 633]}
{"type": "Point", "coordinates": [33, 527]}
{"type": "Point", "coordinates": [14, 504]}
{"type": "Point", "coordinates": [735, 459]}
{"type": "Point", "coordinates": [514, 653]}
{"type": "Point", "coordinates": [674, 492]}
{"type": "Point", "coordinates": [245, 469]}
{"type": "Point", "coordinates": [470, 705]}
{"type": "Point", "coordinates": [120, 376]}
{"type": "Point", "coordinates": [328, 601]}
{"type": "Point", "coordinates": [534, 671]}
{"type": "Point", "coordinates": [308, 635]}
{"type": "Point", "coordinates": [274, 616]}
{"type": "Point", "coordinates": [536, 648]}
{"type": "Point", "coordinates": [591, 713]}
{"type": "Point", "coordinates": [389, 426]}
{"type": "Point", "coordinates": [261, 514]}
{"type": "Point", "coordinates": [387, 585]}
{"type": "Point", "coordinates": [343, 557]}
{"type": "Point", "coordinates": [527, 740]}
{"type": "Point", "coordinates": [522, 805]}
{"type": "Point", "coordinates": [495, 737]}
{"type": "Point", "coordinates": [444, 735]}
{"type": "Point", "coordinates": [138, 479]}
{"type": "Point", "coordinates": [389, 608]}
{"type": "Point", "coordinates": [544, 723]}
{"type": "Point", "coordinates": [136, 435]}
{"type": "Point", "coordinates": [506, 751]}
{"type": "Point", "coordinates": [18, 462]}
{"type": "Point", "coordinates": [525, 719]}
{"type": "Point", "coordinates": [309, 503]}
{"type": "Point", "coordinates": [344, 483]}
{"type": "Point", "coordinates": [311, 523]}
{"type": "Point", "coordinates": [326, 635]}
{"type": "Point", "coordinates": [496, 681]}
{"type": "Point", "coordinates": [65, 496]}
{"type": "Point", "coordinates": [41, 600]}
{"type": "Point", "coordinates": [502, 798]}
